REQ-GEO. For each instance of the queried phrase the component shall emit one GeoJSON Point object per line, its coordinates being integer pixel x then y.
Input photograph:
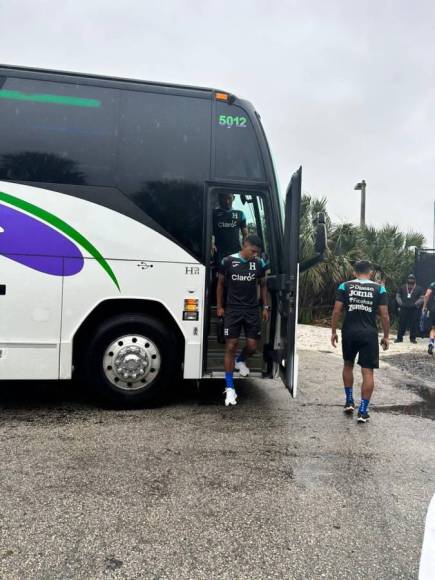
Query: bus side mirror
{"type": "Point", "coordinates": [320, 245]}
{"type": "Point", "coordinates": [321, 237]}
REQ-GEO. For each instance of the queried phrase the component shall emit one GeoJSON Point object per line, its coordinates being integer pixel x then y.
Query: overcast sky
{"type": "Point", "coordinates": [345, 88]}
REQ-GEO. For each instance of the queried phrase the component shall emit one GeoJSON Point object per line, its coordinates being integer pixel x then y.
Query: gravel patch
{"type": "Point", "coordinates": [411, 359]}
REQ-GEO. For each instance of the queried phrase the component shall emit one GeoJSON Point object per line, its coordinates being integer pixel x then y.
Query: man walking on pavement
{"type": "Point", "coordinates": [240, 274]}
{"type": "Point", "coordinates": [361, 300]}
{"type": "Point", "coordinates": [409, 298]}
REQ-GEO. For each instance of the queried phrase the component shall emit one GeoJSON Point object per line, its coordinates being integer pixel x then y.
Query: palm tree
{"type": "Point", "coordinates": [390, 250]}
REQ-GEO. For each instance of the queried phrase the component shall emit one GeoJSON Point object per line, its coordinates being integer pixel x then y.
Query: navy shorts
{"type": "Point", "coordinates": [365, 345]}
{"type": "Point", "coordinates": [248, 319]}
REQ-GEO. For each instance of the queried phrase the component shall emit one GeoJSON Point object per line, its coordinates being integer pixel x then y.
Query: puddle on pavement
{"type": "Point", "coordinates": [424, 408]}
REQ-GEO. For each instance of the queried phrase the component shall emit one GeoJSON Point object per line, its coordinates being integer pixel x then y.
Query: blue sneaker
{"type": "Point", "coordinates": [363, 417]}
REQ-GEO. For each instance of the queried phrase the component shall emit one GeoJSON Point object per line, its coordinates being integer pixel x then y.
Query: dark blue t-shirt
{"type": "Point", "coordinates": [227, 226]}
{"type": "Point", "coordinates": [361, 300]}
{"type": "Point", "coordinates": [241, 280]}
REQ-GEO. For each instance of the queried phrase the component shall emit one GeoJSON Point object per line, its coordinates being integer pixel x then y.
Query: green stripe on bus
{"type": "Point", "coordinates": [55, 99]}
{"type": "Point", "coordinates": [63, 227]}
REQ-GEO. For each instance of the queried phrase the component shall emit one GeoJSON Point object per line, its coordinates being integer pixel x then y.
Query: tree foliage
{"type": "Point", "coordinates": [390, 251]}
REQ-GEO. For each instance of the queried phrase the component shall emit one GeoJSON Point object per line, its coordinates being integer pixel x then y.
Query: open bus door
{"type": "Point", "coordinates": [288, 292]}
{"type": "Point", "coordinates": [286, 284]}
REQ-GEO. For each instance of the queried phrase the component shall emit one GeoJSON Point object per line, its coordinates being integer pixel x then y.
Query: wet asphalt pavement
{"type": "Point", "coordinates": [273, 488]}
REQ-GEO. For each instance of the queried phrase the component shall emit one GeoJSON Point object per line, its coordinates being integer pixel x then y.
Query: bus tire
{"type": "Point", "coordinates": [131, 360]}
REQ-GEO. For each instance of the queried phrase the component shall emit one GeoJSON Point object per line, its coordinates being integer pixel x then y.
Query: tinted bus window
{"type": "Point", "coordinates": [57, 132]}
{"type": "Point", "coordinates": [164, 159]}
{"type": "Point", "coordinates": [237, 155]}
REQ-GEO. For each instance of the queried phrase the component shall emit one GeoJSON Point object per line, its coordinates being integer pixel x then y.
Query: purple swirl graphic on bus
{"type": "Point", "coordinates": [36, 245]}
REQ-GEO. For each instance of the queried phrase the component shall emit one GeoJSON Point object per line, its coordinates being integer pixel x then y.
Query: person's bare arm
{"type": "Point", "coordinates": [336, 316]}
{"type": "Point", "coordinates": [220, 295]}
{"type": "Point", "coordinates": [263, 295]}
{"type": "Point", "coordinates": [427, 298]}
{"type": "Point", "coordinates": [385, 321]}
{"type": "Point", "coordinates": [244, 232]}
{"type": "Point", "coordinates": [420, 300]}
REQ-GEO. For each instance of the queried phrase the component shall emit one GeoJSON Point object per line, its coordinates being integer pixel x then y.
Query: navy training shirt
{"type": "Point", "coordinates": [361, 300]}
{"type": "Point", "coordinates": [227, 227]}
{"type": "Point", "coordinates": [241, 280]}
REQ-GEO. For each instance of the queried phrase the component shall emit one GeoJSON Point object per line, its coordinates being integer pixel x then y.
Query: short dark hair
{"type": "Point", "coordinates": [225, 194]}
{"type": "Point", "coordinates": [363, 267]}
{"type": "Point", "coordinates": [254, 240]}
{"type": "Point", "coordinates": [411, 276]}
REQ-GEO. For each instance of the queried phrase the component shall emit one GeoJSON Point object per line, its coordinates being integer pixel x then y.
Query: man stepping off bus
{"type": "Point", "coordinates": [362, 300]}
{"type": "Point", "coordinates": [240, 274]}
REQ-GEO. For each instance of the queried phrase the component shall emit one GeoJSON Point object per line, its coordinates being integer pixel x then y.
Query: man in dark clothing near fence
{"type": "Point", "coordinates": [409, 299]}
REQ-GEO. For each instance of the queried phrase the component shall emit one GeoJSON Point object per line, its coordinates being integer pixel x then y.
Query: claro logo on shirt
{"type": "Point", "coordinates": [232, 224]}
{"type": "Point", "coordinates": [243, 277]}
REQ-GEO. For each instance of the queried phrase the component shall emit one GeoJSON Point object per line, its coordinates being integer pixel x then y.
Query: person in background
{"type": "Point", "coordinates": [229, 227]}
{"type": "Point", "coordinates": [410, 299]}
{"type": "Point", "coordinates": [429, 307]}
{"type": "Point", "coordinates": [362, 300]}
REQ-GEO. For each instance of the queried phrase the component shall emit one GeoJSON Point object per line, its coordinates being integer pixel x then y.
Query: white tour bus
{"type": "Point", "coordinates": [107, 190]}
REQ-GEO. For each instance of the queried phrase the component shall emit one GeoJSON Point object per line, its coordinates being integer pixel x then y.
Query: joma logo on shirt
{"type": "Point", "coordinates": [361, 293]}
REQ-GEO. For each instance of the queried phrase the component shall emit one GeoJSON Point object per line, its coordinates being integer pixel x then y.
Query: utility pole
{"type": "Point", "coordinates": [362, 186]}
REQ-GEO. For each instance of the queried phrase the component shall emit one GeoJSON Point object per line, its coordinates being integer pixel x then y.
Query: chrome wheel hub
{"type": "Point", "coordinates": [131, 362]}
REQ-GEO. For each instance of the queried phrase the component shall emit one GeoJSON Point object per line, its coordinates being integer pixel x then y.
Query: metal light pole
{"type": "Point", "coordinates": [362, 186]}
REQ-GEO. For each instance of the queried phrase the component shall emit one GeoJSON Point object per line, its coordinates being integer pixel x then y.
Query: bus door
{"type": "Point", "coordinates": [285, 286]}
{"type": "Point", "coordinates": [248, 205]}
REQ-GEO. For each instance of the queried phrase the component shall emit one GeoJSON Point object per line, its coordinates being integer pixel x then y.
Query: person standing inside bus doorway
{"type": "Point", "coordinates": [241, 274]}
{"type": "Point", "coordinates": [429, 309]}
{"type": "Point", "coordinates": [362, 300]}
{"type": "Point", "coordinates": [229, 227]}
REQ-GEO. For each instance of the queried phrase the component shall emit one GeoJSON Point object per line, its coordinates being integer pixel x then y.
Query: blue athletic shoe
{"type": "Point", "coordinates": [349, 407]}
{"type": "Point", "coordinates": [363, 417]}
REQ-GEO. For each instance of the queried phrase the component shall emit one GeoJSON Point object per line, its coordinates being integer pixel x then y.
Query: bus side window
{"type": "Point", "coordinates": [164, 160]}
{"type": "Point", "coordinates": [236, 150]}
{"type": "Point", "coordinates": [57, 132]}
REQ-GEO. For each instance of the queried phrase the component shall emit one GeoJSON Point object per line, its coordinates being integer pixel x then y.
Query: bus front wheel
{"type": "Point", "coordinates": [130, 360]}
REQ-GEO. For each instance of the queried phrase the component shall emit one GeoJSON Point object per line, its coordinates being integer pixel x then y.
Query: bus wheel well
{"type": "Point", "coordinates": [109, 308]}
